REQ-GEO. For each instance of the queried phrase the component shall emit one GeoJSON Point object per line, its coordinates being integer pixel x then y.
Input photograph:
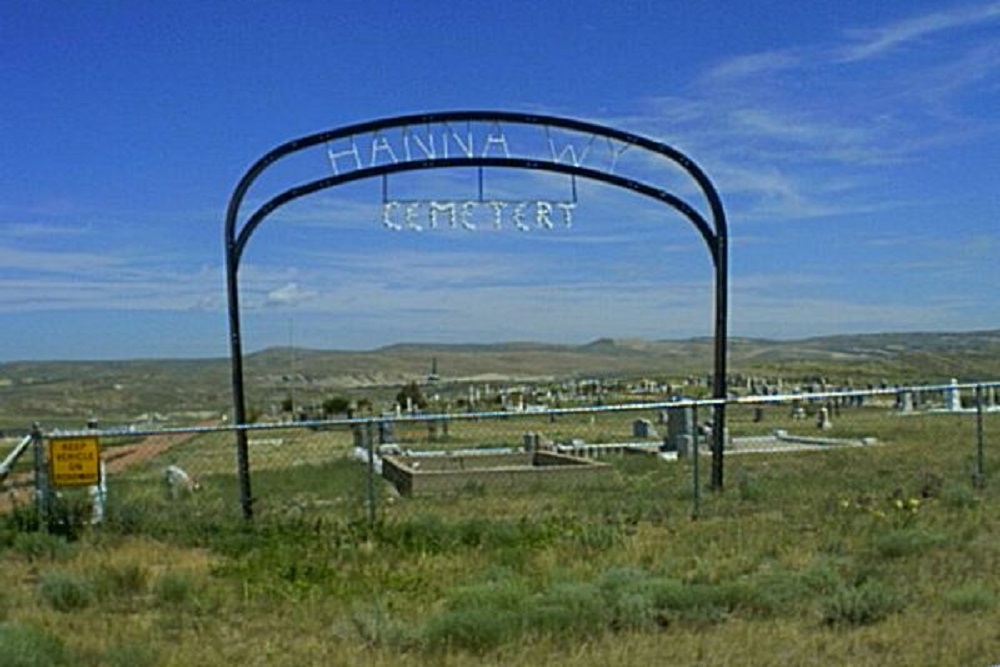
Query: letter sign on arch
{"type": "Point", "coordinates": [481, 139]}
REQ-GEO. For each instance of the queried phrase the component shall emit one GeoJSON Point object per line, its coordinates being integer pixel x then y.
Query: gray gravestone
{"type": "Point", "coordinates": [680, 430]}
{"type": "Point", "coordinates": [643, 428]}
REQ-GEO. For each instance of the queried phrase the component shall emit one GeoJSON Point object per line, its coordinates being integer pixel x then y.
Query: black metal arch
{"type": "Point", "coordinates": [714, 231]}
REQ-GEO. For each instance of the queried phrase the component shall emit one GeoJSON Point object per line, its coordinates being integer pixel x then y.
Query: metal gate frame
{"type": "Point", "coordinates": [714, 231]}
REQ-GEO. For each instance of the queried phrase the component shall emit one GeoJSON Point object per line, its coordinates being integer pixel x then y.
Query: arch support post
{"type": "Point", "coordinates": [719, 388]}
{"type": "Point", "coordinates": [236, 365]}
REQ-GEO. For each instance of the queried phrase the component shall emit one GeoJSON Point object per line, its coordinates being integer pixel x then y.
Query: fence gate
{"type": "Point", "coordinates": [480, 140]}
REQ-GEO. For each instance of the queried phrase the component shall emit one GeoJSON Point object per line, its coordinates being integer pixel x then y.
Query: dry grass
{"type": "Point", "coordinates": [868, 556]}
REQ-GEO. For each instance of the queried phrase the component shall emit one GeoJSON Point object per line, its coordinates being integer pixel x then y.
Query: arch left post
{"type": "Point", "coordinates": [236, 364]}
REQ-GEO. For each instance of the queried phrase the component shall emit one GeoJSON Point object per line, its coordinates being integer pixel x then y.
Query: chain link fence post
{"type": "Point", "coordinates": [695, 454]}
{"type": "Point", "coordinates": [42, 492]}
{"type": "Point", "coordinates": [979, 476]}
{"type": "Point", "coordinates": [370, 438]}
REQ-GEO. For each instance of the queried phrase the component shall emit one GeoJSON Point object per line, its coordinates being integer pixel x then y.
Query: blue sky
{"type": "Point", "coordinates": [855, 145]}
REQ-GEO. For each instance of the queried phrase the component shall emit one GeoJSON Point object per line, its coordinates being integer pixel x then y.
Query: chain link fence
{"type": "Point", "coordinates": [643, 460]}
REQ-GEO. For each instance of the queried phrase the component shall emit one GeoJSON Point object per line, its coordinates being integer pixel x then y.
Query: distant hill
{"type": "Point", "coordinates": [76, 390]}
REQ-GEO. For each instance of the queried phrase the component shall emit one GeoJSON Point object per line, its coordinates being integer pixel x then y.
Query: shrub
{"type": "Point", "coordinates": [132, 655]}
{"type": "Point", "coordinates": [122, 582]}
{"type": "Point", "coordinates": [904, 542]}
{"type": "Point", "coordinates": [430, 534]}
{"type": "Point", "coordinates": [503, 593]}
{"type": "Point", "coordinates": [863, 604]}
{"type": "Point", "coordinates": [569, 610]}
{"type": "Point", "coordinates": [64, 591]}
{"type": "Point", "coordinates": [172, 588]}
{"type": "Point", "coordinates": [476, 629]}
{"type": "Point", "coordinates": [971, 598]}
{"type": "Point", "coordinates": [628, 595]}
{"type": "Point", "coordinates": [689, 602]}
{"type": "Point", "coordinates": [481, 617]}
{"type": "Point", "coordinates": [376, 627]}
{"type": "Point", "coordinates": [597, 537]}
{"type": "Point", "coordinates": [68, 515]}
{"type": "Point", "coordinates": [41, 546]}
{"type": "Point", "coordinates": [746, 485]}
{"type": "Point", "coordinates": [959, 496]}
{"type": "Point", "coordinates": [132, 517]}
{"type": "Point", "coordinates": [24, 517]}
{"type": "Point", "coordinates": [28, 646]}
{"type": "Point", "coordinates": [424, 534]}
{"type": "Point", "coordinates": [821, 577]}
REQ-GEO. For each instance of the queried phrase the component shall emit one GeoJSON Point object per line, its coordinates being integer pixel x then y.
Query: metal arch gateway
{"type": "Point", "coordinates": [430, 141]}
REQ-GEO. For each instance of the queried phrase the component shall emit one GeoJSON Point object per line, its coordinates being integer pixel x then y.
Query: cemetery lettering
{"type": "Point", "coordinates": [445, 143]}
{"type": "Point", "coordinates": [417, 215]}
{"type": "Point", "coordinates": [442, 141]}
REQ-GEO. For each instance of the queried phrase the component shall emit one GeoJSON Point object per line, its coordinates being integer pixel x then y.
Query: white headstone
{"type": "Point", "coordinates": [953, 400]}
{"type": "Point", "coordinates": [823, 419]}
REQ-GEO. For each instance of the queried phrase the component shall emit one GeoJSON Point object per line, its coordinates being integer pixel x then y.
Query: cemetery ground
{"type": "Point", "coordinates": [885, 554]}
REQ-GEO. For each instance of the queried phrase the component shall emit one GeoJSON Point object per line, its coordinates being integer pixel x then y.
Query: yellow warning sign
{"type": "Point", "coordinates": [74, 461]}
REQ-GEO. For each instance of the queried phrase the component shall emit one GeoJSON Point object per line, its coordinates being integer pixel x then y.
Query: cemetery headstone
{"type": "Point", "coordinates": [643, 428]}
{"type": "Point", "coordinates": [680, 431]}
{"type": "Point", "coordinates": [823, 419]}
{"type": "Point", "coordinates": [953, 399]}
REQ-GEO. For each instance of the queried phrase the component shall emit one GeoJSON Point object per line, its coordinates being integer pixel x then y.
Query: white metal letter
{"type": "Point", "coordinates": [437, 207]}
{"type": "Point", "coordinates": [517, 217]}
{"type": "Point", "coordinates": [352, 151]}
{"type": "Point", "coordinates": [498, 207]}
{"type": "Point", "coordinates": [567, 211]}
{"type": "Point", "coordinates": [426, 148]}
{"type": "Point", "coordinates": [387, 209]}
{"type": "Point", "coordinates": [467, 208]}
{"type": "Point", "coordinates": [499, 139]}
{"type": "Point", "coordinates": [559, 156]}
{"type": "Point", "coordinates": [615, 154]}
{"type": "Point", "coordinates": [410, 216]}
{"type": "Point", "coordinates": [380, 144]}
{"type": "Point", "coordinates": [543, 214]}
{"type": "Point", "coordinates": [468, 146]}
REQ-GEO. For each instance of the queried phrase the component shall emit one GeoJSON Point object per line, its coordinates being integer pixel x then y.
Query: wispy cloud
{"type": "Point", "coordinates": [875, 42]}
{"type": "Point", "coordinates": [743, 67]}
{"type": "Point", "coordinates": [21, 231]}
{"type": "Point", "coordinates": [46, 261]}
{"type": "Point", "coordinates": [795, 317]}
{"type": "Point", "coordinates": [809, 130]}
{"type": "Point", "coordinates": [288, 295]}
{"type": "Point", "coordinates": [38, 279]}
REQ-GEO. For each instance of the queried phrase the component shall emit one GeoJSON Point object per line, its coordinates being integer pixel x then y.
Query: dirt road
{"type": "Point", "coordinates": [18, 488]}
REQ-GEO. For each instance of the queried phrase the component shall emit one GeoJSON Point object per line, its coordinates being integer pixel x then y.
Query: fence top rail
{"type": "Point", "coordinates": [136, 431]}
{"type": "Point", "coordinates": [14, 455]}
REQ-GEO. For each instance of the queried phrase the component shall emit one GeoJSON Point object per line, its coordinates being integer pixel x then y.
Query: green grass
{"type": "Point", "coordinates": [848, 556]}
{"type": "Point", "coordinates": [30, 646]}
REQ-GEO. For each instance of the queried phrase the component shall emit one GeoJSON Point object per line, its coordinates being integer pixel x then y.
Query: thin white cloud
{"type": "Point", "coordinates": [754, 64]}
{"type": "Point", "coordinates": [880, 41]}
{"type": "Point", "coordinates": [39, 261]}
{"type": "Point", "coordinates": [809, 131]}
{"type": "Point", "coordinates": [796, 134]}
{"type": "Point", "coordinates": [289, 294]}
{"type": "Point", "coordinates": [39, 230]}
{"type": "Point", "coordinates": [789, 316]}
